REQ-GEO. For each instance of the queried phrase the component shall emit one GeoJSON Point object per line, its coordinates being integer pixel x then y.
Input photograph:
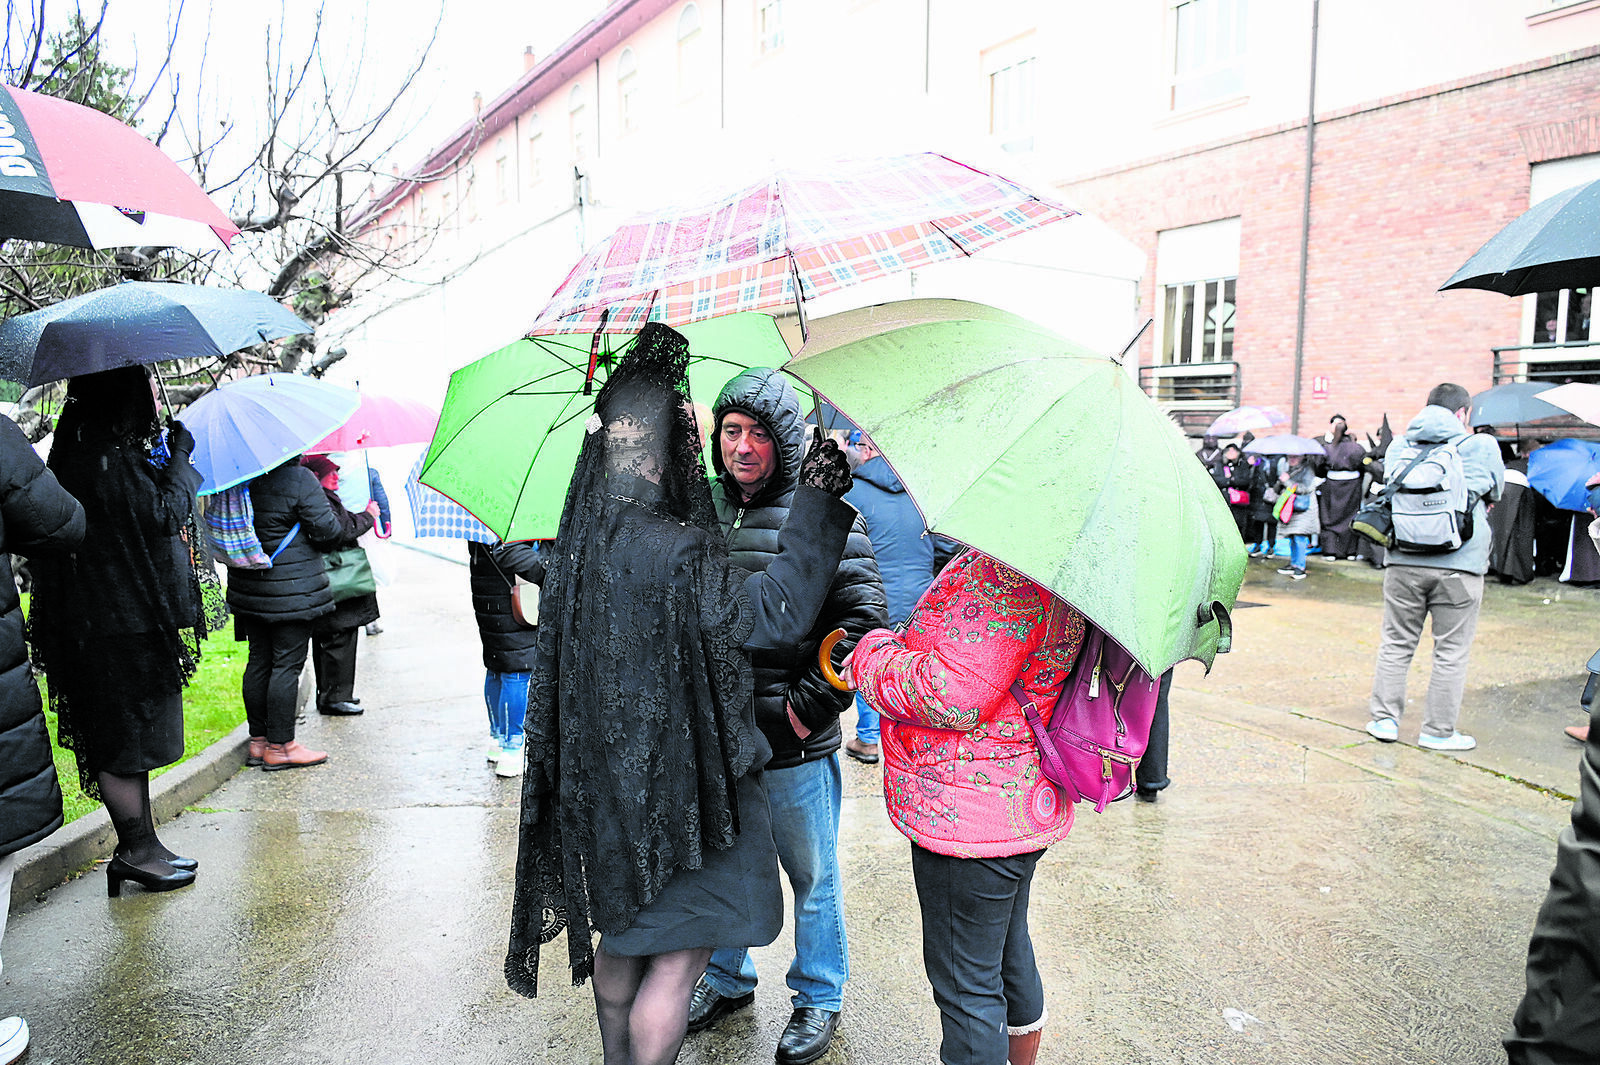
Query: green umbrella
{"type": "Point", "coordinates": [512, 423]}
{"type": "Point", "coordinates": [1045, 455]}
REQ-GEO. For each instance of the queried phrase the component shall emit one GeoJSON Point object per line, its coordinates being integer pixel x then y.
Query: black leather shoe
{"type": "Point", "coordinates": [341, 710]}
{"type": "Point", "coordinates": [807, 1035]}
{"type": "Point", "coordinates": [181, 863]}
{"type": "Point", "coordinates": [707, 1007]}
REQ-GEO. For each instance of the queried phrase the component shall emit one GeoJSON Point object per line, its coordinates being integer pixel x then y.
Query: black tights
{"type": "Point", "coordinates": [643, 1003]}
{"type": "Point", "coordinates": [127, 800]}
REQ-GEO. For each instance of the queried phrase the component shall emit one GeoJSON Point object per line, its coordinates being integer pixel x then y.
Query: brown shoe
{"type": "Point", "coordinates": [258, 748]}
{"type": "Point", "coordinates": [1578, 732]}
{"type": "Point", "coordinates": [291, 755]}
{"type": "Point", "coordinates": [1024, 1048]}
{"type": "Point", "coordinates": [862, 752]}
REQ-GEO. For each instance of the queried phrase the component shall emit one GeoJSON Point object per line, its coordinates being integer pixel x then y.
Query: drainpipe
{"type": "Point", "coordinates": [1305, 230]}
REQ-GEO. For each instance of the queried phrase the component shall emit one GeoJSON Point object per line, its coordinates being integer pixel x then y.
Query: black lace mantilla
{"type": "Point", "coordinates": [636, 736]}
{"type": "Point", "coordinates": [122, 618]}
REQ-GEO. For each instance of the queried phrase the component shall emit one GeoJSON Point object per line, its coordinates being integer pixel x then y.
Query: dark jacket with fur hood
{"type": "Point", "coordinates": [855, 603]}
{"type": "Point", "coordinates": [36, 515]}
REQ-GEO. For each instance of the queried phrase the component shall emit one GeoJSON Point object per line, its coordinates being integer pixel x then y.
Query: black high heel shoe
{"type": "Point", "coordinates": [180, 862]}
{"type": "Point", "coordinates": [119, 870]}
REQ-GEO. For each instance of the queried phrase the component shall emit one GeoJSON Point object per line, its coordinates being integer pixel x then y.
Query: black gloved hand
{"type": "Point", "coordinates": [180, 441]}
{"type": "Point", "coordinates": [825, 467]}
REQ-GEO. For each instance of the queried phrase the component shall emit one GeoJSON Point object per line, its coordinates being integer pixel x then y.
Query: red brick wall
{"type": "Point", "coordinates": [1402, 194]}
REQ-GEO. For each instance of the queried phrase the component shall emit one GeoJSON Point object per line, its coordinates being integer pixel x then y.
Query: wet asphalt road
{"type": "Point", "coordinates": [1301, 894]}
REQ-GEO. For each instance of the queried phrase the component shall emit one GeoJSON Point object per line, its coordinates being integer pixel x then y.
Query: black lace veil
{"type": "Point", "coordinates": [637, 710]}
{"type": "Point", "coordinates": [122, 617]}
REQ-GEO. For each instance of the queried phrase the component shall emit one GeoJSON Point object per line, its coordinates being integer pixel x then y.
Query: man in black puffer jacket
{"type": "Point", "coordinates": [756, 449]}
{"type": "Point", "coordinates": [36, 515]}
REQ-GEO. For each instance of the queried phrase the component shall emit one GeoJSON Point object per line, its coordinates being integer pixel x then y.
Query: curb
{"type": "Point", "coordinates": [75, 847]}
{"type": "Point", "coordinates": [56, 858]}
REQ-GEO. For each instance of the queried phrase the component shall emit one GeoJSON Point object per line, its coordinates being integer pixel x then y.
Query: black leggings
{"type": "Point", "coordinates": [272, 677]}
{"type": "Point", "coordinates": [977, 951]}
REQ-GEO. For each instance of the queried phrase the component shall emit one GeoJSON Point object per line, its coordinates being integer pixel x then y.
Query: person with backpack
{"type": "Point", "coordinates": [963, 782]}
{"type": "Point", "coordinates": [1299, 518]}
{"type": "Point", "coordinates": [1443, 477]}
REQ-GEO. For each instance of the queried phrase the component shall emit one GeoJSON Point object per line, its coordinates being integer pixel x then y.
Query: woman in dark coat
{"type": "Point", "coordinates": [507, 643]}
{"type": "Point", "coordinates": [333, 636]}
{"type": "Point", "coordinates": [1236, 478]}
{"type": "Point", "coordinates": [36, 516]}
{"type": "Point", "coordinates": [117, 624]}
{"type": "Point", "coordinates": [644, 815]}
{"type": "Point", "coordinates": [274, 609]}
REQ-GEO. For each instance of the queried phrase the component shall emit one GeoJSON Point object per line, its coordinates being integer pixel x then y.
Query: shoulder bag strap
{"type": "Point", "coordinates": [288, 537]}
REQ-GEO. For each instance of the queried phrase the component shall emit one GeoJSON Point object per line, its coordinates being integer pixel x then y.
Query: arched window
{"type": "Point", "coordinates": [690, 50]}
{"type": "Point", "coordinates": [628, 91]}
{"type": "Point", "coordinates": [577, 118]}
{"type": "Point", "coordinates": [535, 130]}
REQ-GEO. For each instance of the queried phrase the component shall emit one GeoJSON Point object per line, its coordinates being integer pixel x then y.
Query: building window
{"type": "Point", "coordinates": [577, 119]}
{"type": "Point", "coordinates": [769, 25]}
{"type": "Point", "coordinates": [502, 171]}
{"type": "Point", "coordinates": [690, 50]}
{"type": "Point", "coordinates": [1208, 51]}
{"type": "Point", "coordinates": [1011, 104]}
{"type": "Point", "coordinates": [628, 91]}
{"type": "Point", "coordinates": [1562, 317]}
{"type": "Point", "coordinates": [1197, 320]}
{"type": "Point", "coordinates": [535, 131]}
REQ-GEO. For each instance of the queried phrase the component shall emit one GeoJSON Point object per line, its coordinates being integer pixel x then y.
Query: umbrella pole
{"type": "Point", "coordinates": [799, 301]}
{"type": "Point", "coordinates": [161, 382]}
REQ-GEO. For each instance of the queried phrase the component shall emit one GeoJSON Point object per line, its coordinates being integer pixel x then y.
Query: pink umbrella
{"type": "Point", "coordinates": [1240, 419]}
{"type": "Point", "coordinates": [818, 228]}
{"type": "Point", "coordinates": [381, 421]}
{"type": "Point", "coordinates": [72, 175]}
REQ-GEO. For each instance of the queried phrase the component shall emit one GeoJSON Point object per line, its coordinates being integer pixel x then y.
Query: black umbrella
{"type": "Point", "coordinates": [1512, 404]}
{"type": "Point", "coordinates": [1551, 246]}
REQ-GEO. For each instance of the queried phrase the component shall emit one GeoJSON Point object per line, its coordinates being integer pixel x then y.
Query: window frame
{"type": "Point", "coordinates": [1186, 87]}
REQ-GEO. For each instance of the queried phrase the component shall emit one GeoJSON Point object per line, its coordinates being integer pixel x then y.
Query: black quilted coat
{"type": "Point", "coordinates": [296, 587]}
{"type": "Point", "coordinates": [36, 515]}
{"type": "Point", "coordinates": [856, 602]}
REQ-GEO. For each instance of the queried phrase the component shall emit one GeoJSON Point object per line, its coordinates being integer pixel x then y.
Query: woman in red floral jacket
{"type": "Point", "coordinates": [962, 781]}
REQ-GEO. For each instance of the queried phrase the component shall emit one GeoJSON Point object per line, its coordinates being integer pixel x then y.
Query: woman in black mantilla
{"type": "Point", "coordinates": [644, 817]}
{"type": "Point", "coordinates": [117, 624]}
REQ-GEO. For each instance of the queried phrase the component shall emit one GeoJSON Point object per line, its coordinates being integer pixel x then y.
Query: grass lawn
{"type": "Point", "coordinates": [211, 709]}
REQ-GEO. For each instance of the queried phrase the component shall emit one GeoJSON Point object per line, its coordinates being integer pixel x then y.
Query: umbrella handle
{"type": "Point", "coordinates": [825, 660]}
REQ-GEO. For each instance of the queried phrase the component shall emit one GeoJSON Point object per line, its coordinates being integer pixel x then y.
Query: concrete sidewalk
{"type": "Point", "coordinates": [1302, 893]}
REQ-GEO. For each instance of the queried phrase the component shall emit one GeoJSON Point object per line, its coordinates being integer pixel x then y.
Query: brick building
{"type": "Point", "coordinates": [1180, 124]}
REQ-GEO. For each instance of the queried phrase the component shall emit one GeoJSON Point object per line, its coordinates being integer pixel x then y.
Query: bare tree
{"type": "Point", "coordinates": [317, 145]}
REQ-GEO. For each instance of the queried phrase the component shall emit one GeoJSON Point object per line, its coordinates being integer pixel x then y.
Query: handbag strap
{"type": "Point", "coordinates": [287, 538]}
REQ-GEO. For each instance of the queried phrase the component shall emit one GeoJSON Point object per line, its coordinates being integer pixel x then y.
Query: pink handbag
{"type": "Point", "coordinates": [1100, 726]}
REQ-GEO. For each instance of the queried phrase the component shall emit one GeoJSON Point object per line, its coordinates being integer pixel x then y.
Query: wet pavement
{"type": "Point", "coordinates": [1301, 894]}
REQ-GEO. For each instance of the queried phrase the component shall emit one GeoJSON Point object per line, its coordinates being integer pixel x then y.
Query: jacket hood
{"type": "Point", "coordinates": [877, 472]}
{"type": "Point", "coordinates": [1435, 425]}
{"type": "Point", "coordinates": [767, 396]}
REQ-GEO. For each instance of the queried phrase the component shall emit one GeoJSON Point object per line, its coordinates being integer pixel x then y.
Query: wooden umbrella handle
{"type": "Point", "coordinates": [825, 660]}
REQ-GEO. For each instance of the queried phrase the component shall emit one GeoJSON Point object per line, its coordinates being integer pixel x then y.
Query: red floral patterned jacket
{"type": "Point", "coordinates": [961, 774]}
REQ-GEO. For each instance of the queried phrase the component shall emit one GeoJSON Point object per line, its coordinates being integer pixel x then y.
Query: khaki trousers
{"type": "Point", "coordinates": [1411, 594]}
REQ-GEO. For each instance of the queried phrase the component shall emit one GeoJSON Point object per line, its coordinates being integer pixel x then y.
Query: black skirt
{"type": "Point", "coordinates": [733, 900]}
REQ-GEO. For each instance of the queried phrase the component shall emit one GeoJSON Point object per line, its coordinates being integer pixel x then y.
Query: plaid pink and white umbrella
{"type": "Point", "coordinates": [823, 228]}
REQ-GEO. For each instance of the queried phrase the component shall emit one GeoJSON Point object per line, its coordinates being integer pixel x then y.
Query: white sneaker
{"type": "Point", "coordinates": [13, 1039]}
{"type": "Point", "coordinates": [494, 754]}
{"type": "Point", "coordinates": [509, 764]}
{"type": "Point", "coordinates": [1453, 742]}
{"type": "Point", "coordinates": [1383, 729]}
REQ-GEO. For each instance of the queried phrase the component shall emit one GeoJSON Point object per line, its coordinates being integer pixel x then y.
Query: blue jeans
{"type": "Point", "coordinates": [866, 721]}
{"type": "Point", "coordinates": [805, 824]}
{"type": "Point", "coordinates": [506, 696]}
{"type": "Point", "coordinates": [1299, 543]}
